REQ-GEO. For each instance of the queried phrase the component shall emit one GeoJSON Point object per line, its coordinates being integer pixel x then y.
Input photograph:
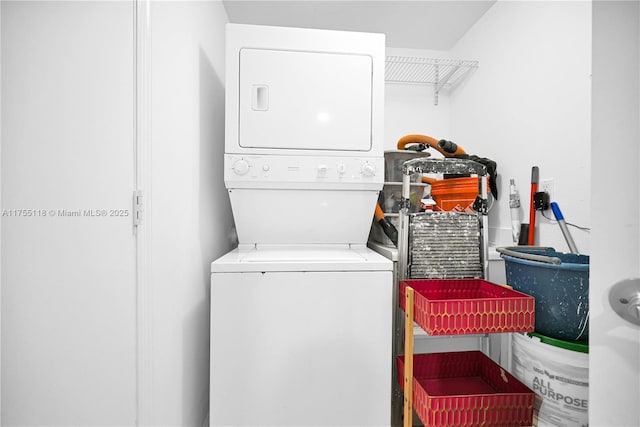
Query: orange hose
{"type": "Point", "coordinates": [429, 141]}
{"type": "Point", "coordinates": [417, 139]}
{"type": "Point", "coordinates": [428, 180]}
{"type": "Point", "coordinates": [379, 213]}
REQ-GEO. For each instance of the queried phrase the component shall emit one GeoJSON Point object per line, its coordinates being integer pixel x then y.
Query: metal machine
{"type": "Point", "coordinates": [301, 311]}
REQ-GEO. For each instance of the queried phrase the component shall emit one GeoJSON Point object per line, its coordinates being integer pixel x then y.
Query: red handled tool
{"type": "Point", "coordinates": [532, 208]}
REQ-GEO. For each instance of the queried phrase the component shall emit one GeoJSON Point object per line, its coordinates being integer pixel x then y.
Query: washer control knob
{"type": "Point", "coordinates": [241, 167]}
{"type": "Point", "coordinates": [342, 168]}
{"type": "Point", "coordinates": [322, 170]}
{"type": "Point", "coordinates": [368, 169]}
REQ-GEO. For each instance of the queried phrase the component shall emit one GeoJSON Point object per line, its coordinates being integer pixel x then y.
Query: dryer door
{"type": "Point", "coordinates": [305, 100]}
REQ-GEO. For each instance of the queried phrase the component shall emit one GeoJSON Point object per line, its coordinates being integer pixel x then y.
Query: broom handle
{"type": "Point", "coordinates": [532, 209]}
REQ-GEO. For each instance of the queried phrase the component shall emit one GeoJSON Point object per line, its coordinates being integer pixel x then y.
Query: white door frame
{"type": "Point", "coordinates": [614, 362]}
{"type": "Point", "coordinates": [142, 13]}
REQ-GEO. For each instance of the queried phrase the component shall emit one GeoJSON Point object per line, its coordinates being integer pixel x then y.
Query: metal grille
{"type": "Point", "coordinates": [445, 245]}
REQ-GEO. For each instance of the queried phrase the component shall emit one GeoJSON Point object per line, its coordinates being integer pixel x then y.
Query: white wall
{"type": "Point", "coordinates": [528, 104]}
{"type": "Point", "coordinates": [190, 213]}
{"type": "Point", "coordinates": [58, 132]}
{"type": "Point", "coordinates": [410, 109]}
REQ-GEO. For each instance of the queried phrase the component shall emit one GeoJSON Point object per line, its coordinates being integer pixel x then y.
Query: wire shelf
{"type": "Point", "coordinates": [427, 71]}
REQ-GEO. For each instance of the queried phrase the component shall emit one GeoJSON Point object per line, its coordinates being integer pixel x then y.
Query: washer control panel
{"type": "Point", "coordinates": [267, 171]}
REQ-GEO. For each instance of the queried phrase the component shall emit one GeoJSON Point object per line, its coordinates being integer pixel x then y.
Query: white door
{"type": "Point", "coordinates": [323, 98]}
{"type": "Point", "coordinates": [68, 248]}
{"type": "Point", "coordinates": [614, 363]}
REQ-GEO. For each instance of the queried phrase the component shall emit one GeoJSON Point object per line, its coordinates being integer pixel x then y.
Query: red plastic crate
{"type": "Point", "coordinates": [468, 306]}
{"type": "Point", "coordinates": [467, 389]}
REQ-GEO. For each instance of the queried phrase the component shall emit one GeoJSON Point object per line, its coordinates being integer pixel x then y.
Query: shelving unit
{"type": "Point", "coordinates": [463, 388]}
{"type": "Point", "coordinates": [457, 388]}
{"type": "Point", "coordinates": [440, 73]}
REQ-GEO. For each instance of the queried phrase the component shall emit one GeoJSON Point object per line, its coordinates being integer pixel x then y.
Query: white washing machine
{"type": "Point", "coordinates": [301, 337]}
{"type": "Point", "coordinates": [301, 311]}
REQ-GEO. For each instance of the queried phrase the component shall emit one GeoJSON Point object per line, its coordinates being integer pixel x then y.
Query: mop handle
{"type": "Point", "coordinates": [563, 226]}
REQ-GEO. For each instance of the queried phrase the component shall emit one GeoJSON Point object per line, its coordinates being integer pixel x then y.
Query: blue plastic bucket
{"type": "Point", "coordinates": [559, 282]}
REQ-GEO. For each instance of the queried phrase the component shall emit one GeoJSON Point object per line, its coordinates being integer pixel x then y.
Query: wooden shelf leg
{"type": "Point", "coordinates": [408, 357]}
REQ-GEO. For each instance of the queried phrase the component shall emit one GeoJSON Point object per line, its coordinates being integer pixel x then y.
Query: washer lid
{"type": "Point", "coordinates": [271, 258]}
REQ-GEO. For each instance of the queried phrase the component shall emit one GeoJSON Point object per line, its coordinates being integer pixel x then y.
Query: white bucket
{"type": "Point", "coordinates": [558, 376]}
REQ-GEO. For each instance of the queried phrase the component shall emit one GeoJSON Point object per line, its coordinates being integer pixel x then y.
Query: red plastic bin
{"type": "Point", "coordinates": [468, 306]}
{"type": "Point", "coordinates": [467, 389]}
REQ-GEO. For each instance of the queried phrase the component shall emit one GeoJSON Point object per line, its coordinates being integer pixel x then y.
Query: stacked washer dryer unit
{"type": "Point", "coordinates": [301, 311]}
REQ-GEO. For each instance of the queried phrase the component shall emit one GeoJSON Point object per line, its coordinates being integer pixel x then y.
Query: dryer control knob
{"type": "Point", "coordinates": [368, 169]}
{"type": "Point", "coordinates": [241, 167]}
{"type": "Point", "coordinates": [342, 168]}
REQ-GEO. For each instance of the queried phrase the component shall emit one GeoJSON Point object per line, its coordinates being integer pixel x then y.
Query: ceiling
{"type": "Point", "coordinates": [417, 24]}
